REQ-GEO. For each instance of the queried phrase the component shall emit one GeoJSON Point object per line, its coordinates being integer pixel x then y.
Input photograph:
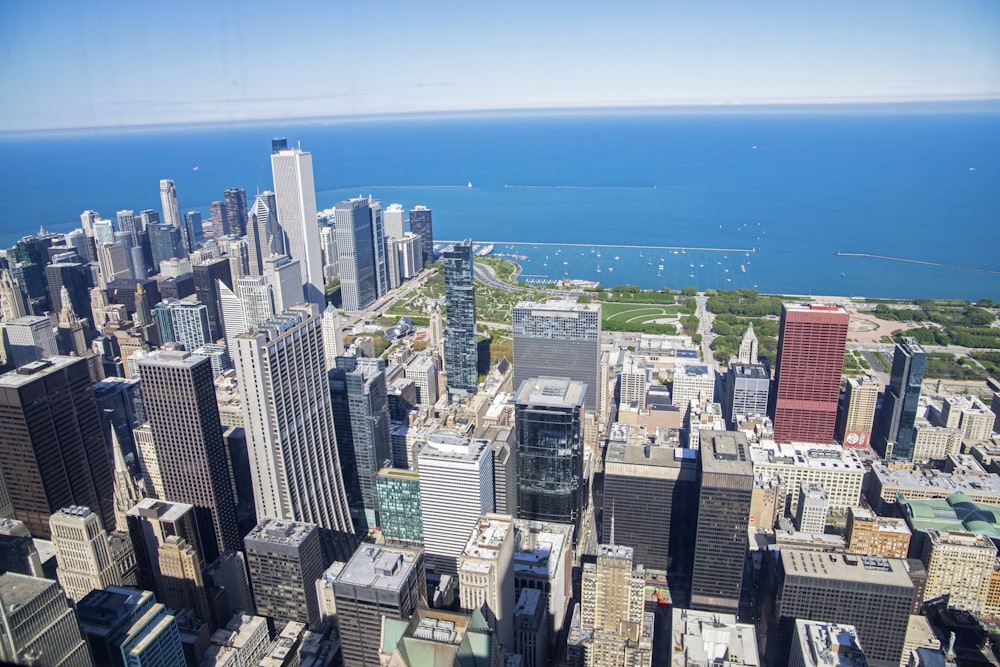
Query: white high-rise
{"type": "Point", "coordinates": [289, 421]}
{"type": "Point", "coordinates": [295, 195]}
{"type": "Point", "coordinates": [168, 199]}
{"type": "Point", "coordinates": [394, 217]}
{"type": "Point", "coordinates": [257, 298]}
{"type": "Point", "coordinates": [456, 488]}
{"type": "Point", "coordinates": [333, 336]}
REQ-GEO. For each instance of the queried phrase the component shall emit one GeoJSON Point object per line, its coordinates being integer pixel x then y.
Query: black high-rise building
{"type": "Point", "coordinates": [165, 241]}
{"type": "Point", "coordinates": [74, 277]}
{"type": "Point", "coordinates": [53, 451]}
{"type": "Point", "coordinates": [236, 211]}
{"type": "Point", "coordinates": [206, 287]}
{"type": "Point", "coordinates": [725, 476]}
{"type": "Point", "coordinates": [872, 593]}
{"type": "Point", "coordinates": [549, 438]}
{"type": "Point", "coordinates": [420, 224]}
{"type": "Point", "coordinates": [651, 492]}
{"type": "Point", "coordinates": [179, 393]}
{"type": "Point", "coordinates": [901, 401]}
{"type": "Point", "coordinates": [460, 333]}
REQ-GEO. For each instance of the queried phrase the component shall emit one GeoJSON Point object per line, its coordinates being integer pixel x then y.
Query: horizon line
{"type": "Point", "coordinates": [978, 104]}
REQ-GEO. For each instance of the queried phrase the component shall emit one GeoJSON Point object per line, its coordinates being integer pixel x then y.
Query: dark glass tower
{"type": "Point", "coordinates": [549, 437]}
{"type": "Point", "coordinates": [899, 406]}
{"type": "Point", "coordinates": [236, 211]}
{"type": "Point", "coordinates": [364, 443]}
{"type": "Point", "coordinates": [726, 478]}
{"type": "Point", "coordinates": [165, 241]}
{"type": "Point", "coordinates": [179, 393]}
{"type": "Point", "coordinates": [206, 287]}
{"type": "Point", "coordinates": [460, 304]}
{"type": "Point", "coordinates": [420, 224]}
{"type": "Point", "coordinates": [53, 452]}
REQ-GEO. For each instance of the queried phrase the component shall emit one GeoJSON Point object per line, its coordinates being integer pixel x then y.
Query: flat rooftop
{"type": "Point", "coordinates": [542, 308]}
{"type": "Point", "coordinates": [725, 452]}
{"type": "Point", "coordinates": [378, 567]}
{"type": "Point", "coordinates": [280, 531]}
{"type": "Point", "coordinates": [916, 478]}
{"type": "Point", "coordinates": [488, 536]}
{"type": "Point", "coordinates": [806, 455]}
{"type": "Point", "coordinates": [17, 590]}
{"type": "Point", "coordinates": [550, 391]}
{"type": "Point", "coordinates": [160, 510]}
{"type": "Point", "coordinates": [37, 369]}
{"type": "Point", "coordinates": [845, 567]}
{"type": "Point", "coordinates": [706, 639]}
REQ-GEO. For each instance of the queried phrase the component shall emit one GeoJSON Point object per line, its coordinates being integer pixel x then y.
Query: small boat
{"type": "Point", "coordinates": [610, 269]}
{"type": "Point", "coordinates": [598, 269]}
{"type": "Point", "coordinates": [660, 267]}
{"type": "Point", "coordinates": [470, 184]}
{"type": "Point", "coordinates": [195, 168]}
{"type": "Point", "coordinates": [616, 258]}
{"type": "Point", "coordinates": [843, 275]}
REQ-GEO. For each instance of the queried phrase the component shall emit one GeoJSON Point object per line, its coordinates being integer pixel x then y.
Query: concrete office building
{"type": "Point", "coordinates": [486, 574]}
{"type": "Point", "coordinates": [291, 437]}
{"type": "Point", "coordinates": [456, 488]}
{"type": "Point", "coordinates": [558, 338]}
{"type": "Point", "coordinates": [872, 593]}
{"type": "Point", "coordinates": [29, 338]}
{"type": "Point", "coordinates": [707, 639]}
{"type": "Point", "coordinates": [376, 583]}
{"type": "Point", "coordinates": [837, 469]}
{"type": "Point", "coordinates": [295, 198]}
{"type": "Point", "coordinates": [811, 343]}
{"type": "Point", "coordinates": [179, 393]}
{"type": "Point", "coordinates": [959, 564]}
{"type": "Point", "coordinates": [37, 625]}
{"type": "Point", "coordinates": [868, 533]}
{"type": "Point", "coordinates": [692, 382]}
{"type": "Point", "coordinates": [285, 558]}
{"type": "Point", "coordinates": [422, 369]}
{"type": "Point", "coordinates": [543, 561]}
{"type": "Point", "coordinates": [150, 524]}
{"type": "Point", "coordinates": [857, 414]}
{"type": "Point", "coordinates": [433, 638]}
{"type": "Point", "coordinates": [813, 506]}
{"type": "Point", "coordinates": [83, 554]}
{"type": "Point", "coordinates": [54, 453]}
{"type": "Point", "coordinates": [548, 415]}
{"type": "Point", "coordinates": [726, 478]}
{"type": "Point", "coordinates": [747, 389]}
{"type": "Point", "coordinates": [826, 645]}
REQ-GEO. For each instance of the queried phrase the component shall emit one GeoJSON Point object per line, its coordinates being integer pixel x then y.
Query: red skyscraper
{"type": "Point", "coordinates": [811, 345]}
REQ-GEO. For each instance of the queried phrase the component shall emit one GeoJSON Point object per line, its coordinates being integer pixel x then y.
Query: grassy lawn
{"type": "Point", "coordinates": [628, 313]}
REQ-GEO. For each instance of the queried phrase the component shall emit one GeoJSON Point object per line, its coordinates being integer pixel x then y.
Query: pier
{"type": "Point", "coordinates": [606, 245]}
{"type": "Point", "coordinates": [916, 261]}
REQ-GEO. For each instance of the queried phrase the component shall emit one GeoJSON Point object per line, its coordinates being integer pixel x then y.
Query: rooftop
{"type": "Point", "coordinates": [161, 510]}
{"type": "Point", "coordinates": [706, 639]}
{"type": "Point", "coordinates": [17, 590]}
{"type": "Point", "coordinates": [845, 567]}
{"type": "Point", "coordinates": [829, 644]}
{"type": "Point", "coordinates": [378, 567]}
{"type": "Point", "coordinates": [557, 306]}
{"type": "Point", "coordinates": [806, 455]}
{"type": "Point", "coordinates": [550, 391]}
{"type": "Point", "coordinates": [28, 373]}
{"type": "Point", "coordinates": [488, 536]}
{"type": "Point", "coordinates": [965, 479]}
{"type": "Point", "coordinates": [280, 531]}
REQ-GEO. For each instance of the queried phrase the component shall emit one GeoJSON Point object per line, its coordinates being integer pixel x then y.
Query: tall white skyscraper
{"type": "Point", "coordinates": [333, 336]}
{"type": "Point", "coordinates": [394, 217]}
{"type": "Point", "coordinates": [168, 199]}
{"type": "Point", "coordinates": [289, 421]}
{"type": "Point", "coordinates": [295, 195]}
{"type": "Point", "coordinates": [257, 297]}
{"type": "Point", "coordinates": [456, 488]}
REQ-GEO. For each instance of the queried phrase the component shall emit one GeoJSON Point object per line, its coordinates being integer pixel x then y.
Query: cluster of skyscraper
{"type": "Point", "coordinates": [189, 431]}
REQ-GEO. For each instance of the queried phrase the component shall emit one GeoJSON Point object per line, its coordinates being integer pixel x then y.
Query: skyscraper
{"type": "Point", "coordinates": [377, 582]}
{"type": "Point", "coordinates": [12, 300]}
{"type": "Point", "coordinates": [262, 227]}
{"type": "Point", "coordinates": [420, 224]}
{"type": "Point", "coordinates": [456, 488]}
{"type": "Point", "coordinates": [28, 339]}
{"type": "Point", "coordinates": [854, 422]}
{"type": "Point", "coordinates": [290, 431]}
{"type": "Point", "coordinates": [460, 358]}
{"type": "Point", "coordinates": [206, 277]}
{"type": "Point", "coordinates": [179, 393]}
{"type": "Point", "coordinates": [54, 454]}
{"type": "Point", "coordinates": [747, 389]}
{"type": "Point", "coordinates": [899, 407]}
{"type": "Point", "coordinates": [379, 246]}
{"type": "Point", "coordinates": [82, 552]}
{"type": "Point", "coordinates": [38, 625]}
{"type": "Point", "coordinates": [295, 196]}
{"type": "Point", "coordinates": [168, 200]}
{"type": "Point", "coordinates": [872, 593]}
{"type": "Point", "coordinates": [811, 342]}
{"type": "Point", "coordinates": [285, 558]}
{"type": "Point", "coordinates": [394, 227]}
{"type": "Point", "coordinates": [558, 338]}
{"type": "Point", "coordinates": [726, 480]}
{"type": "Point", "coordinates": [114, 617]}
{"type": "Point", "coordinates": [365, 445]}
{"type": "Point", "coordinates": [236, 210]}
{"type": "Point", "coordinates": [356, 258]}
{"type": "Point", "coordinates": [549, 440]}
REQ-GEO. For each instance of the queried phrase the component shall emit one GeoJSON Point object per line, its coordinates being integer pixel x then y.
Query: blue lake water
{"type": "Point", "coordinates": [790, 188]}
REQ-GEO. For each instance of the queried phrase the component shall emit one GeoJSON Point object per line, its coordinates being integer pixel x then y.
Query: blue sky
{"type": "Point", "coordinates": [94, 63]}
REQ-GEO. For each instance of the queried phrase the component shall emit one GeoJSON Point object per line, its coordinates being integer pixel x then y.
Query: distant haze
{"type": "Point", "coordinates": [110, 64]}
